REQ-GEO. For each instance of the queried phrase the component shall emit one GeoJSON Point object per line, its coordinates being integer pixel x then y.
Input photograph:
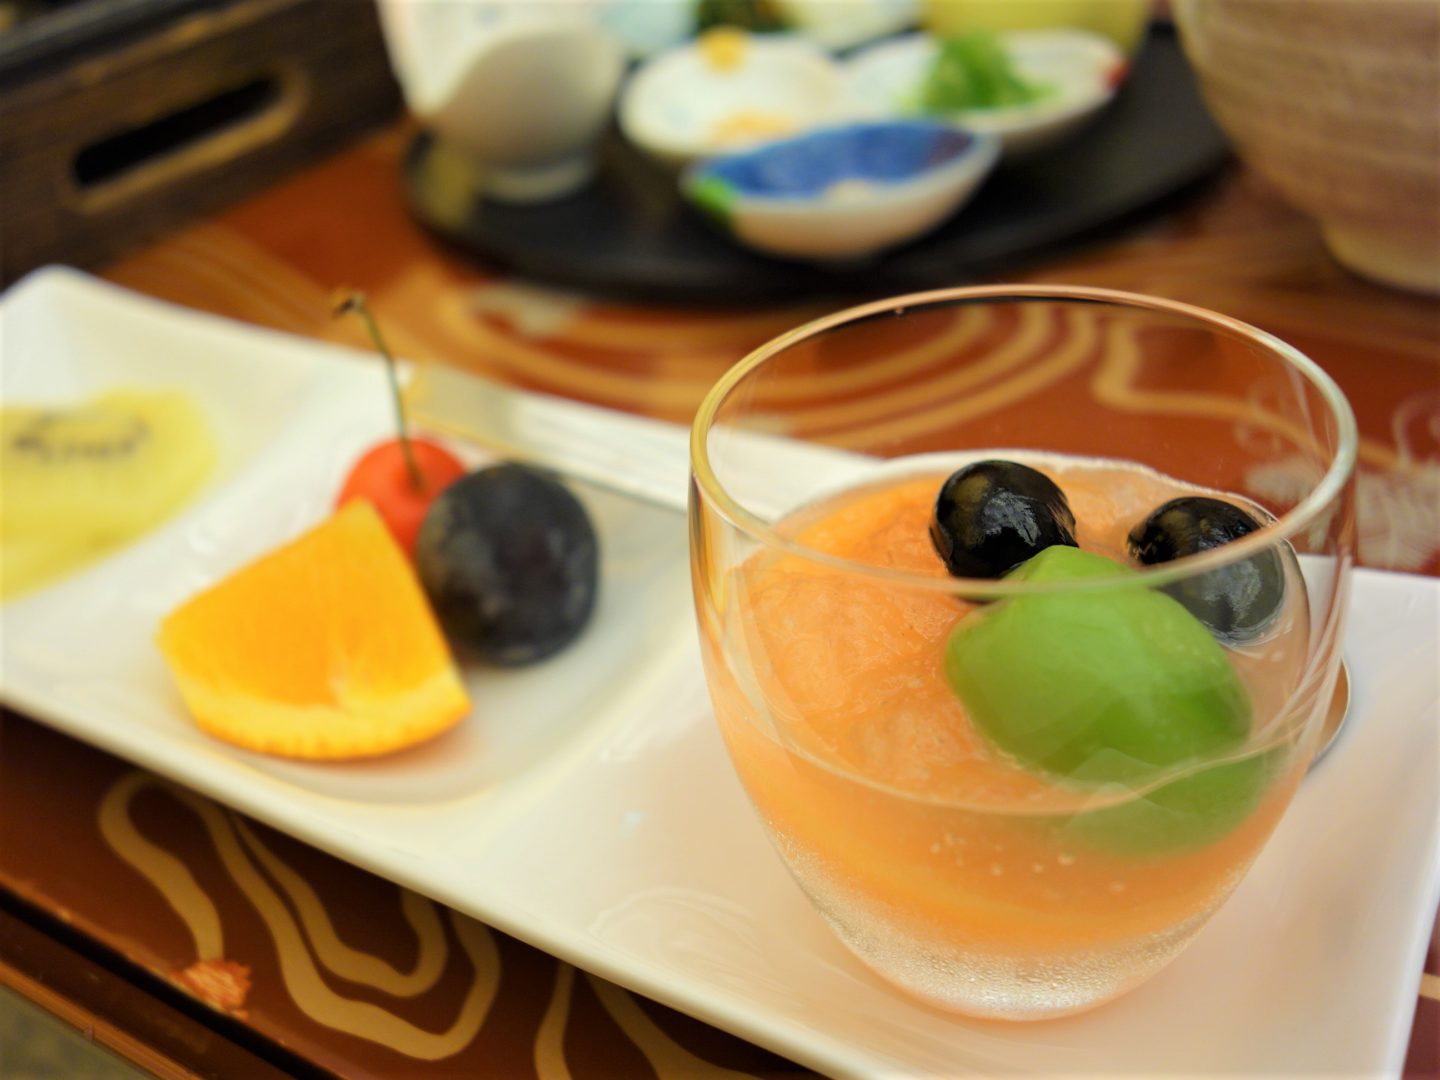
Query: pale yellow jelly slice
{"type": "Point", "coordinates": [80, 481]}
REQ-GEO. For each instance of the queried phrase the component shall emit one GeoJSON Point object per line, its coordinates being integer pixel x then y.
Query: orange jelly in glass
{"type": "Point", "coordinates": [1020, 790]}
{"type": "Point", "coordinates": [930, 850]}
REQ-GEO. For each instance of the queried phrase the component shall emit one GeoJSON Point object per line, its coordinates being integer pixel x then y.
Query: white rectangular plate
{"type": "Point", "coordinates": [588, 807]}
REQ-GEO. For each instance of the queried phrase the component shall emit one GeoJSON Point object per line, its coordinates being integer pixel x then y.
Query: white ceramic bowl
{"type": "Point", "coordinates": [520, 90]}
{"type": "Point", "coordinates": [686, 104]}
{"type": "Point", "coordinates": [849, 23]}
{"type": "Point", "coordinates": [1084, 69]}
{"type": "Point", "coordinates": [843, 192]}
{"type": "Point", "coordinates": [1337, 103]}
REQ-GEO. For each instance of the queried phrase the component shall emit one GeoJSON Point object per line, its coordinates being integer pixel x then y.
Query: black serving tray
{"type": "Point", "coordinates": [629, 234]}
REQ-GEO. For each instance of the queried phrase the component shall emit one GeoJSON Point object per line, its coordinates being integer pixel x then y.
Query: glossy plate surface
{"type": "Point", "coordinates": [587, 806]}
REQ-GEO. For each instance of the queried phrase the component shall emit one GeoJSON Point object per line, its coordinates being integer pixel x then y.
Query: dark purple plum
{"type": "Point", "coordinates": [510, 561]}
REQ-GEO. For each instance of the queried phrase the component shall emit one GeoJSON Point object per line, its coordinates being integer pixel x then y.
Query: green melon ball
{"type": "Point", "coordinates": [1101, 685]}
{"type": "Point", "coordinates": [1181, 816]}
{"type": "Point", "coordinates": [1115, 685]}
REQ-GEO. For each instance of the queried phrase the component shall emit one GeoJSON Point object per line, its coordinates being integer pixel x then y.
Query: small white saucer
{"type": "Point", "coordinates": [1082, 70]}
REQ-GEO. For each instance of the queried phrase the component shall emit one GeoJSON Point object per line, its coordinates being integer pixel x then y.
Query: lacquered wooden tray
{"type": "Point", "coordinates": [630, 234]}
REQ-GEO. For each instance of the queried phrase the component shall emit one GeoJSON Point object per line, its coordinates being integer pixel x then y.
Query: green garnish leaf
{"type": "Point", "coordinates": [974, 71]}
{"type": "Point", "coordinates": [715, 197]}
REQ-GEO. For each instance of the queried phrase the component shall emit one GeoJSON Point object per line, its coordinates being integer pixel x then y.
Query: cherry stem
{"type": "Point", "coordinates": [355, 302]}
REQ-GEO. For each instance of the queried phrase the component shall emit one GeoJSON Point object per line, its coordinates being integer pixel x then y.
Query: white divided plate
{"type": "Point", "coordinates": [588, 808]}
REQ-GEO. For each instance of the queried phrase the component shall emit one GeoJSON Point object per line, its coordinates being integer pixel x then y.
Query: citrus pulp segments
{"type": "Point", "coordinates": [324, 648]}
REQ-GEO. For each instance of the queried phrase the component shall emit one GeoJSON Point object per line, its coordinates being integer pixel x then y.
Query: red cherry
{"type": "Point", "coordinates": [400, 476]}
{"type": "Point", "coordinates": [382, 476]}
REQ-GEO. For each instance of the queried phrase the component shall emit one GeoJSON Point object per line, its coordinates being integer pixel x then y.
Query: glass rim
{"type": "Point", "coordinates": [1292, 522]}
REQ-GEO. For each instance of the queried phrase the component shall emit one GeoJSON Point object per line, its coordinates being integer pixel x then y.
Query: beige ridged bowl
{"type": "Point", "coordinates": [1337, 103]}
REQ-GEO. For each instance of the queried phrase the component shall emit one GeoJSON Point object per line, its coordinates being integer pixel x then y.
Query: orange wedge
{"type": "Point", "coordinates": [325, 648]}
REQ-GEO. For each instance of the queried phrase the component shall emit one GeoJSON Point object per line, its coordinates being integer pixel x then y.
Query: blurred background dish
{"type": "Point", "coordinates": [728, 90]}
{"type": "Point", "coordinates": [843, 192]}
{"type": "Point", "coordinates": [1032, 88]}
{"type": "Point", "coordinates": [1337, 103]}
{"type": "Point", "coordinates": [844, 25]}
{"type": "Point", "coordinates": [1122, 21]}
{"type": "Point", "coordinates": [646, 27]}
{"type": "Point", "coordinates": [632, 234]}
{"type": "Point", "coordinates": [521, 91]}
{"type": "Point", "coordinates": [649, 26]}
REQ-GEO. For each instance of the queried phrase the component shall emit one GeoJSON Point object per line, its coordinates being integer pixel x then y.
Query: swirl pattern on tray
{"type": "Point", "coordinates": [430, 1009]}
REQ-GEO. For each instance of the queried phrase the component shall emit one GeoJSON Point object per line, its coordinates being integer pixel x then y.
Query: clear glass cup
{"type": "Point", "coordinates": [1020, 796]}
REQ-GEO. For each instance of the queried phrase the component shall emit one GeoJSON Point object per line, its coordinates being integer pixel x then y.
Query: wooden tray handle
{"type": "Point", "coordinates": [224, 125]}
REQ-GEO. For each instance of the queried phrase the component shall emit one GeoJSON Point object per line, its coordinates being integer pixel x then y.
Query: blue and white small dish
{"type": "Point", "coordinates": [843, 192]}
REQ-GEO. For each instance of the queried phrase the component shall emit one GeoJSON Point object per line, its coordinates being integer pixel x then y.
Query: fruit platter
{"type": "Point", "coordinates": [275, 614]}
{"type": "Point", "coordinates": [568, 785]}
